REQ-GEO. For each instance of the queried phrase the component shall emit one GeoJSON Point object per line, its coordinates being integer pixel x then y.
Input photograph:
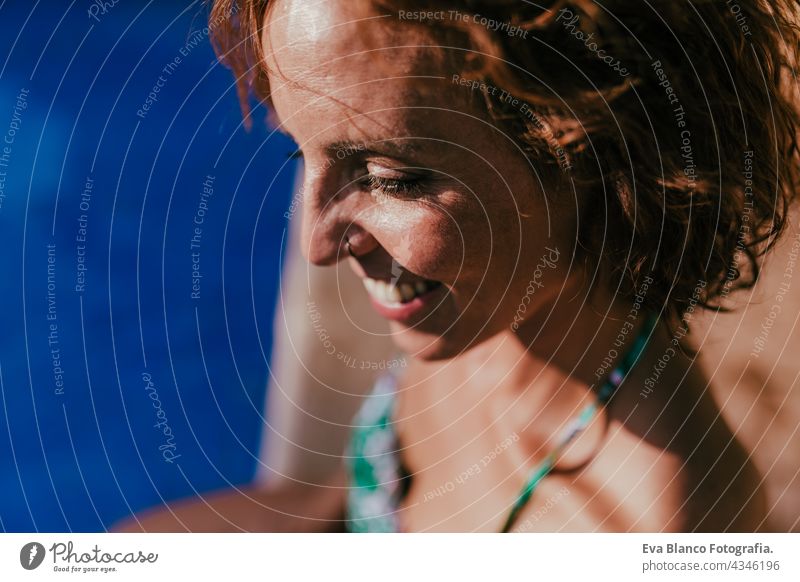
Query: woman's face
{"type": "Point", "coordinates": [445, 216]}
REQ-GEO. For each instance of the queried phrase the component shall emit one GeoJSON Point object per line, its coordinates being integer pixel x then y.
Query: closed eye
{"type": "Point", "coordinates": [392, 186]}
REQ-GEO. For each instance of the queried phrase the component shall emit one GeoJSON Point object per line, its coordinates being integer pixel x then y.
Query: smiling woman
{"type": "Point", "coordinates": [537, 223]}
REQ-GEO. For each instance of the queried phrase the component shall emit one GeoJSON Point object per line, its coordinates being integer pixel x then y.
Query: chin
{"type": "Point", "coordinates": [428, 346]}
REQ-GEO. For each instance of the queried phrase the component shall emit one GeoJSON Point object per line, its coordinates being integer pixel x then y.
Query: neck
{"type": "Point", "coordinates": [532, 381]}
{"type": "Point", "coordinates": [542, 374]}
{"type": "Point", "coordinates": [570, 339]}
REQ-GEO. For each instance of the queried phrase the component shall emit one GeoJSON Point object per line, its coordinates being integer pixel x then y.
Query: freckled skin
{"type": "Point", "coordinates": [339, 74]}
{"type": "Point", "coordinates": [330, 86]}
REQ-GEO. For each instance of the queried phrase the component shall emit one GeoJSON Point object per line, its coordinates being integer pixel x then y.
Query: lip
{"type": "Point", "coordinates": [405, 312]}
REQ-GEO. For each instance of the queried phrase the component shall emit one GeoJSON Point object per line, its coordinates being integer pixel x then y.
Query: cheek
{"type": "Point", "coordinates": [493, 242]}
{"type": "Point", "coordinates": [429, 238]}
{"type": "Point", "coordinates": [458, 243]}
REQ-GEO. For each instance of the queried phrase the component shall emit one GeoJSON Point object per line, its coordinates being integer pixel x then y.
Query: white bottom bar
{"type": "Point", "coordinates": [401, 557]}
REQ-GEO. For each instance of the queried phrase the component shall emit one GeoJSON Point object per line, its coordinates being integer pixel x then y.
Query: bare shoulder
{"type": "Point", "coordinates": [676, 435]}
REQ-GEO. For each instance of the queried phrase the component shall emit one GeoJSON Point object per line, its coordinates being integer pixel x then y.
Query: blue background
{"type": "Point", "coordinates": [80, 460]}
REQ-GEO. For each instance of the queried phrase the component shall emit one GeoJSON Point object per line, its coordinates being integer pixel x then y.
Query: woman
{"type": "Point", "coordinates": [538, 197]}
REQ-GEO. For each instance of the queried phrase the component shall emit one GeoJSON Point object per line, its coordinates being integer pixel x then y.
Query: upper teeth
{"type": "Point", "coordinates": [385, 292]}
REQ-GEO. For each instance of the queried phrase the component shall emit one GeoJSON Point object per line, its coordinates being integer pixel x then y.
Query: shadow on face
{"type": "Point", "coordinates": [443, 216]}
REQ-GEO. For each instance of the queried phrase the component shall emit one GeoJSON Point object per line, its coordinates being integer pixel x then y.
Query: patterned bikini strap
{"type": "Point", "coordinates": [579, 423]}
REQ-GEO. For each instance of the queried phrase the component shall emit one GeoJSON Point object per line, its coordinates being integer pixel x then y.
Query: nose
{"type": "Point", "coordinates": [332, 217]}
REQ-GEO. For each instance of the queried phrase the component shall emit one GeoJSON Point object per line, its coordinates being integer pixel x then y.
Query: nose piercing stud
{"type": "Point", "coordinates": [349, 249]}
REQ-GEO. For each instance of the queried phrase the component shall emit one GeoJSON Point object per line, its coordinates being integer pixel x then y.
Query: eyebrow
{"type": "Point", "coordinates": [397, 147]}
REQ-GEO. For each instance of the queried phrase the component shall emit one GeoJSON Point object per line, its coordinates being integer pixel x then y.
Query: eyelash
{"type": "Point", "coordinates": [392, 187]}
{"type": "Point", "coordinates": [387, 186]}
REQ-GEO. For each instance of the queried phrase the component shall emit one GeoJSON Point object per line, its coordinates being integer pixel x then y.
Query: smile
{"type": "Point", "coordinates": [399, 293]}
{"type": "Point", "coordinates": [401, 301]}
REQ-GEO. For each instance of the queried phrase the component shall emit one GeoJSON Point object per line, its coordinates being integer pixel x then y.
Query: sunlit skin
{"type": "Point", "coordinates": [359, 105]}
{"type": "Point", "coordinates": [406, 166]}
{"type": "Point", "coordinates": [451, 230]}
{"type": "Point", "coordinates": [478, 221]}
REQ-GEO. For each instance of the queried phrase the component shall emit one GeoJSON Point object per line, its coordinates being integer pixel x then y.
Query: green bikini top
{"type": "Point", "coordinates": [379, 481]}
